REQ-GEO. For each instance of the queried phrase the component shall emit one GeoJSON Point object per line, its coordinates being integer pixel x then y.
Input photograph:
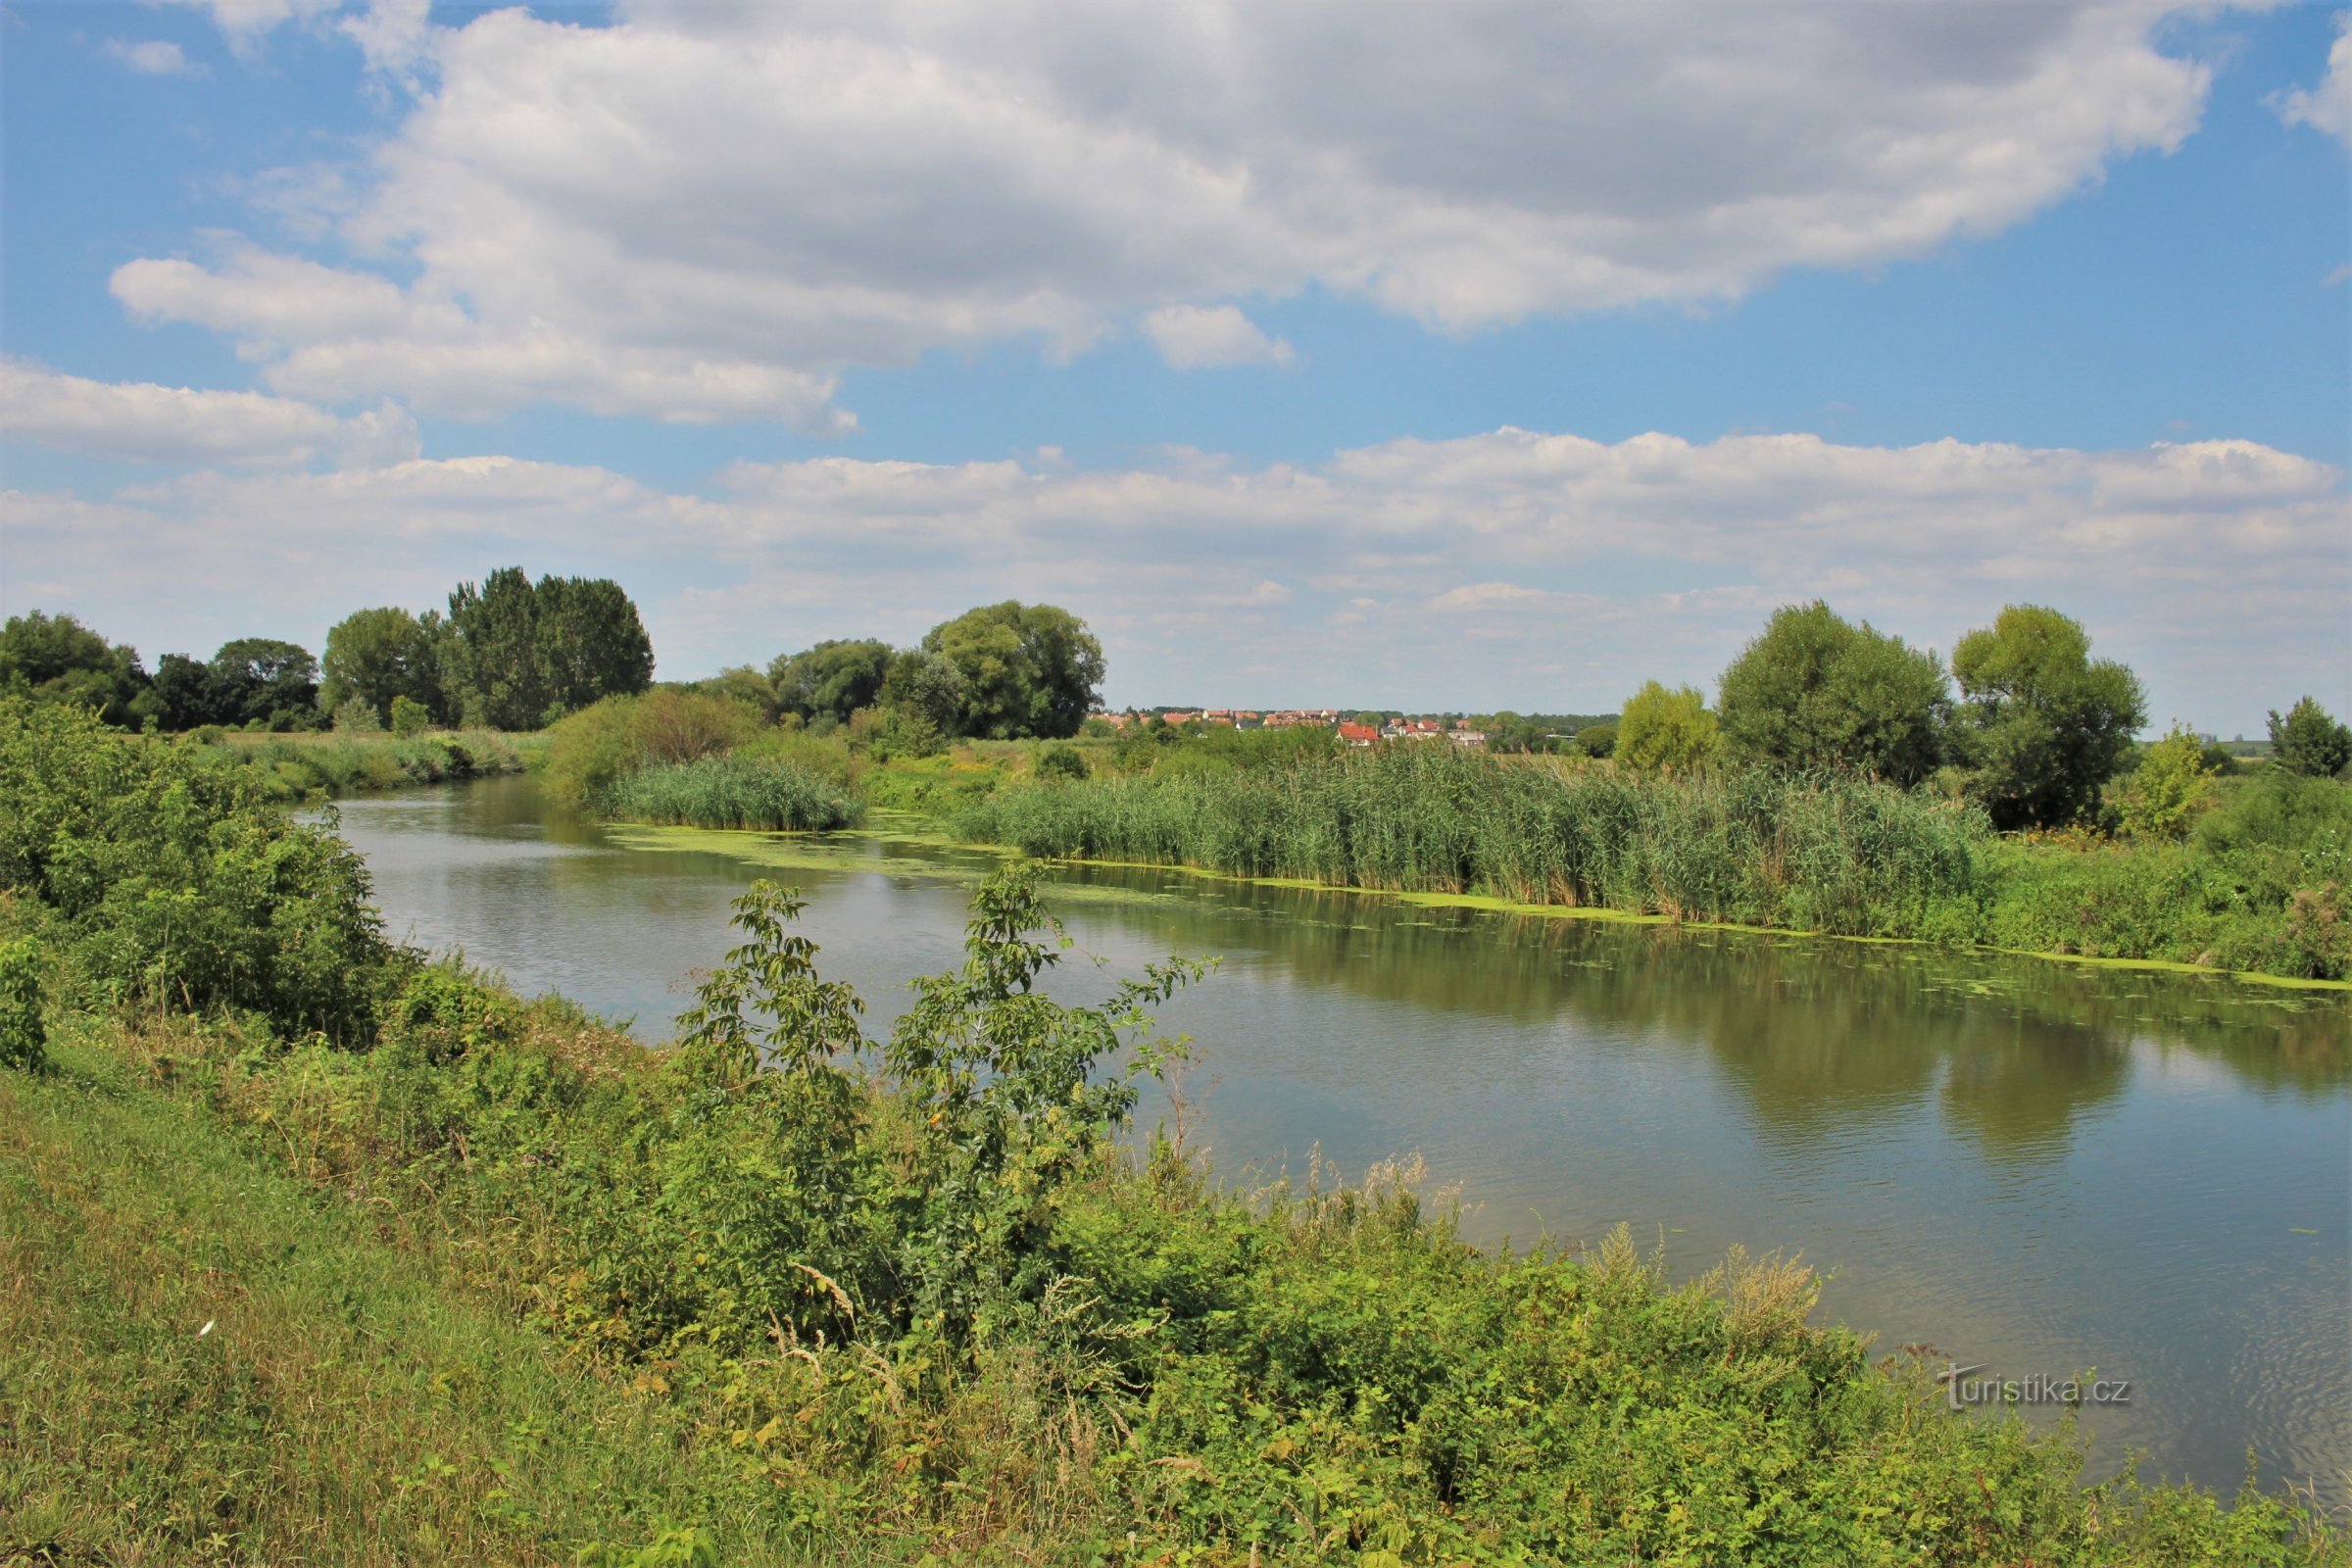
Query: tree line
{"type": "Point", "coordinates": [508, 653]}
{"type": "Point", "coordinates": [2035, 731]}
{"type": "Point", "coordinates": [1004, 671]}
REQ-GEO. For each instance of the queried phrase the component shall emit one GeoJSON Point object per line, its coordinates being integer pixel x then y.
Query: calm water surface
{"type": "Point", "coordinates": [2036, 1166]}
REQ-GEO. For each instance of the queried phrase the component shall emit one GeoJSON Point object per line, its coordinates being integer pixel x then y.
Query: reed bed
{"type": "Point", "coordinates": [1746, 847]}
{"type": "Point", "coordinates": [731, 791]}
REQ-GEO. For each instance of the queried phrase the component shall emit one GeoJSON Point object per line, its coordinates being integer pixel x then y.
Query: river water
{"type": "Point", "coordinates": [2032, 1166]}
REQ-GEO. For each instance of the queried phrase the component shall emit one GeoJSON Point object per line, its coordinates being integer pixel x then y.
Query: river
{"type": "Point", "coordinates": [2036, 1167]}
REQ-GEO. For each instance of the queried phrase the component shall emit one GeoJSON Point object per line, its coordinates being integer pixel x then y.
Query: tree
{"type": "Point", "coordinates": [930, 687]}
{"type": "Point", "coordinates": [2170, 789]}
{"type": "Point", "coordinates": [378, 656]}
{"type": "Point", "coordinates": [59, 659]}
{"type": "Point", "coordinates": [267, 679]}
{"type": "Point", "coordinates": [592, 644]}
{"type": "Point", "coordinates": [2308, 740]}
{"type": "Point", "coordinates": [1030, 671]}
{"type": "Point", "coordinates": [744, 684]}
{"type": "Point", "coordinates": [1666, 729]}
{"type": "Point", "coordinates": [1595, 740]}
{"type": "Point", "coordinates": [519, 656]}
{"type": "Point", "coordinates": [1815, 689]}
{"type": "Point", "coordinates": [184, 693]}
{"type": "Point", "coordinates": [832, 680]}
{"type": "Point", "coordinates": [2041, 725]}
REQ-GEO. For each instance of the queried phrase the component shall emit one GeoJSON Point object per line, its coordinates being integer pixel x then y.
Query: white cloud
{"type": "Point", "coordinates": [244, 21]}
{"type": "Point", "coordinates": [764, 196]}
{"type": "Point", "coordinates": [2326, 108]}
{"type": "Point", "coordinates": [149, 423]}
{"type": "Point", "coordinates": [1194, 337]}
{"type": "Point", "coordinates": [1440, 573]}
{"type": "Point", "coordinates": [154, 57]}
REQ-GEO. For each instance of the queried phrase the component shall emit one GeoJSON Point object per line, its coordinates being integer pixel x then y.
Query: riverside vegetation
{"type": "Point", "coordinates": [320, 1251]}
{"type": "Point", "coordinates": [2258, 884]}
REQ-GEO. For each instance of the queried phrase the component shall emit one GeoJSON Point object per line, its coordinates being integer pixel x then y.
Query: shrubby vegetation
{"type": "Point", "coordinates": [820, 1298]}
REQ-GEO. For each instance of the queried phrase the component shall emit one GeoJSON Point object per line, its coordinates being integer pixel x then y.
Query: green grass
{"type": "Point", "coordinates": [731, 791]}
{"type": "Point", "coordinates": [361, 1396]}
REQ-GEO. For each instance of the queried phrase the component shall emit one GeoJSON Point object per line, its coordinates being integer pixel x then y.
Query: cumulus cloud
{"type": "Point", "coordinates": [153, 57]}
{"type": "Point", "coordinates": [1194, 337]}
{"type": "Point", "coordinates": [766, 195]}
{"type": "Point", "coordinates": [2326, 108]}
{"type": "Point", "coordinates": [1519, 569]}
{"type": "Point", "coordinates": [149, 423]}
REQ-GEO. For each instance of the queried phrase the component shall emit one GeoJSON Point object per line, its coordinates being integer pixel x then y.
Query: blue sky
{"type": "Point", "coordinates": [1452, 358]}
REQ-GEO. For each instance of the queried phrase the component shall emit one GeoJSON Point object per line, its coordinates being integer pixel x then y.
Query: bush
{"type": "Point", "coordinates": [24, 1037]}
{"type": "Point", "coordinates": [2172, 788]}
{"type": "Point", "coordinates": [593, 749]}
{"type": "Point", "coordinates": [177, 882]}
{"type": "Point", "coordinates": [410, 716]}
{"type": "Point", "coordinates": [2309, 740]}
{"type": "Point", "coordinates": [358, 716]}
{"type": "Point", "coordinates": [1061, 761]}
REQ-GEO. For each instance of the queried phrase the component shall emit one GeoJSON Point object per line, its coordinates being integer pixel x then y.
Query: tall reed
{"type": "Point", "coordinates": [731, 791]}
{"type": "Point", "coordinates": [1751, 847]}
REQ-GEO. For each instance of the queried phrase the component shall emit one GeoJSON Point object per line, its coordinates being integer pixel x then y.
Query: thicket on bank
{"type": "Point", "coordinates": [916, 1293]}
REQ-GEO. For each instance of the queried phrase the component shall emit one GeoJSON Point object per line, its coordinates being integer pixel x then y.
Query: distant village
{"type": "Point", "coordinates": [1456, 730]}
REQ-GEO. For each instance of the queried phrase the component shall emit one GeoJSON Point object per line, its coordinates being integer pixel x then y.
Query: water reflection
{"type": "Point", "coordinates": [2040, 1165]}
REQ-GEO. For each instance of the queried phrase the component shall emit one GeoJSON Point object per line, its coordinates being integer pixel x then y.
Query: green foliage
{"type": "Point", "coordinates": [2042, 726]}
{"type": "Point", "coordinates": [1668, 730]}
{"type": "Point", "coordinates": [834, 680]}
{"type": "Point", "coordinates": [356, 718]}
{"type": "Point", "coordinates": [175, 880]}
{"type": "Point", "coordinates": [1597, 741]}
{"type": "Point", "coordinates": [2172, 788]}
{"type": "Point", "coordinates": [2309, 740]}
{"type": "Point", "coordinates": [1030, 671]}
{"type": "Point", "coordinates": [1817, 691]}
{"type": "Point", "coordinates": [729, 791]}
{"type": "Point", "coordinates": [839, 1299]}
{"type": "Point", "coordinates": [24, 1037]}
{"type": "Point", "coordinates": [410, 716]}
{"type": "Point", "coordinates": [263, 681]}
{"type": "Point", "coordinates": [1061, 761]}
{"type": "Point", "coordinates": [748, 687]}
{"type": "Point", "coordinates": [591, 751]}
{"type": "Point", "coordinates": [379, 658]}
{"type": "Point", "coordinates": [517, 652]}
{"type": "Point", "coordinates": [56, 658]}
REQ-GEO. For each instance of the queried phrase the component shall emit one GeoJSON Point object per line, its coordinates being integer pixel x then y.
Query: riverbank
{"type": "Point", "coordinates": [2261, 885]}
{"type": "Point", "coordinates": [923, 1300]}
{"type": "Point", "coordinates": [306, 768]}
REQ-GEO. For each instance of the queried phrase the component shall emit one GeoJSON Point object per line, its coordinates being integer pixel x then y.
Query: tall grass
{"type": "Point", "coordinates": [294, 768]}
{"type": "Point", "coordinates": [1746, 847]}
{"type": "Point", "coordinates": [731, 791]}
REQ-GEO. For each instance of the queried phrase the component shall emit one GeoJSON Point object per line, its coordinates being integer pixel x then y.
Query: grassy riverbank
{"type": "Point", "coordinates": [486, 1280]}
{"type": "Point", "coordinates": [2260, 885]}
{"type": "Point", "coordinates": [309, 766]}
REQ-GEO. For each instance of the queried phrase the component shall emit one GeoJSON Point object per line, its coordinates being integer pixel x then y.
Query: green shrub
{"type": "Point", "coordinates": [1061, 761]}
{"type": "Point", "coordinates": [590, 751]}
{"type": "Point", "coordinates": [24, 1037]}
{"type": "Point", "coordinates": [175, 879]}
{"type": "Point", "coordinates": [410, 716]}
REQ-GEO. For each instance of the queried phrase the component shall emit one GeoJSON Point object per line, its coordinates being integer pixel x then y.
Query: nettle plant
{"type": "Point", "coordinates": [941, 1156]}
